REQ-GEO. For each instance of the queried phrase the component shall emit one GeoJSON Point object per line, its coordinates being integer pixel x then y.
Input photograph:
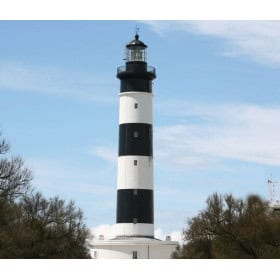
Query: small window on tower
{"type": "Point", "coordinates": [135, 162]}
{"type": "Point", "coordinates": [135, 134]}
{"type": "Point", "coordinates": [135, 105]}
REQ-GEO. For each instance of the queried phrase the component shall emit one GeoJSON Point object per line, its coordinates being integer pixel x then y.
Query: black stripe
{"type": "Point", "coordinates": [131, 84]}
{"type": "Point", "coordinates": [135, 139]}
{"type": "Point", "coordinates": [135, 205]}
{"type": "Point", "coordinates": [136, 76]}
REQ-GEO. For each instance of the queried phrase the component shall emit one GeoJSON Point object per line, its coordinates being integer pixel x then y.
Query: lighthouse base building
{"type": "Point", "coordinates": [134, 226]}
{"type": "Point", "coordinates": [133, 248]}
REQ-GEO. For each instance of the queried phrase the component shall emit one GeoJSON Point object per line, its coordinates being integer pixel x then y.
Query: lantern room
{"type": "Point", "coordinates": [136, 50]}
{"type": "Point", "coordinates": [136, 75]}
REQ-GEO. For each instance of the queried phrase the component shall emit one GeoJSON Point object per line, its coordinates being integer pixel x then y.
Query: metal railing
{"type": "Point", "coordinates": [120, 69]}
{"type": "Point", "coordinates": [150, 69]}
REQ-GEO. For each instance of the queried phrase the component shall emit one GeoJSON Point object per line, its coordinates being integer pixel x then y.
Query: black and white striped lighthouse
{"type": "Point", "coordinates": [134, 228]}
{"type": "Point", "coordinates": [135, 209]}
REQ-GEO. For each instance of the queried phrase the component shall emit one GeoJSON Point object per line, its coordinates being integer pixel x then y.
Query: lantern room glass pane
{"type": "Point", "coordinates": [136, 54]}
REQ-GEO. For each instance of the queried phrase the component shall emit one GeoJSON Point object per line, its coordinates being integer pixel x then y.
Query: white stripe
{"type": "Point", "coordinates": [134, 229]}
{"type": "Point", "coordinates": [138, 176]}
{"type": "Point", "coordinates": [142, 114]}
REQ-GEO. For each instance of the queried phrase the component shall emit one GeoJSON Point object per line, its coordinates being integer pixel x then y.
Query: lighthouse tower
{"type": "Point", "coordinates": [134, 228]}
{"type": "Point", "coordinates": [135, 209]}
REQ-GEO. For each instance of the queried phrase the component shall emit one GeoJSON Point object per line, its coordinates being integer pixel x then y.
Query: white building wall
{"type": "Point", "coordinates": [134, 229]}
{"type": "Point", "coordinates": [142, 114]}
{"type": "Point", "coordinates": [135, 177]}
{"type": "Point", "coordinates": [160, 250]}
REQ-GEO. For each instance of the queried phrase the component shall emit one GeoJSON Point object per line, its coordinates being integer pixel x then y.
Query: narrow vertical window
{"type": "Point", "coordinates": [135, 105]}
{"type": "Point", "coordinates": [95, 254]}
{"type": "Point", "coordinates": [134, 255]}
{"type": "Point", "coordinates": [135, 134]}
{"type": "Point", "coordinates": [135, 162]}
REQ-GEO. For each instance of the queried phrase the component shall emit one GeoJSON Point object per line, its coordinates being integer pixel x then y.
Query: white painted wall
{"type": "Point", "coordinates": [135, 177]}
{"type": "Point", "coordinates": [132, 176]}
{"type": "Point", "coordinates": [134, 229]}
{"type": "Point", "coordinates": [160, 250]}
{"type": "Point", "coordinates": [128, 113]}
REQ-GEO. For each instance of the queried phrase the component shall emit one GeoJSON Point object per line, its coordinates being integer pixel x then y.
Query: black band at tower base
{"type": "Point", "coordinates": [135, 206]}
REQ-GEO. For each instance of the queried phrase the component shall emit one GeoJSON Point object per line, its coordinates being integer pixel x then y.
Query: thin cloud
{"type": "Point", "coordinates": [175, 235]}
{"type": "Point", "coordinates": [108, 231]}
{"type": "Point", "coordinates": [105, 153]}
{"type": "Point", "coordinates": [258, 40]}
{"type": "Point", "coordinates": [62, 177]}
{"type": "Point", "coordinates": [54, 81]}
{"type": "Point", "coordinates": [246, 133]}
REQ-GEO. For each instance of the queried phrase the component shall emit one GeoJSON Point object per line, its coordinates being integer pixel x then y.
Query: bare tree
{"type": "Point", "coordinates": [15, 178]}
{"type": "Point", "coordinates": [53, 229]}
{"type": "Point", "coordinates": [32, 226]}
{"type": "Point", "coordinates": [232, 228]}
{"type": "Point", "coordinates": [4, 146]}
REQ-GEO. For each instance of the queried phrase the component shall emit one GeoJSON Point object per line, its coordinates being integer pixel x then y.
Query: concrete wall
{"type": "Point", "coordinates": [155, 251]}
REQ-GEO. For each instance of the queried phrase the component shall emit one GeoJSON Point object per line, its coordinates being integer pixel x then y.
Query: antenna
{"type": "Point", "coordinates": [274, 192]}
{"type": "Point", "coordinates": [137, 29]}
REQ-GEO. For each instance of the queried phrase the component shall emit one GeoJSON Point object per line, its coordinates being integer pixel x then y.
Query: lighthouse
{"type": "Point", "coordinates": [135, 207]}
{"type": "Point", "coordinates": [134, 228]}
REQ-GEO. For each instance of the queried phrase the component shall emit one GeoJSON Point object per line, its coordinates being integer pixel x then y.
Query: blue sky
{"type": "Point", "coordinates": [216, 110]}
